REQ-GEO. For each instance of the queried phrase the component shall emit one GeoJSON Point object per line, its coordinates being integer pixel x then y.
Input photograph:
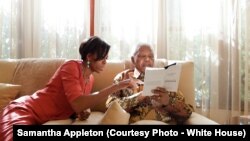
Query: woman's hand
{"type": "Point", "coordinates": [132, 83]}
{"type": "Point", "coordinates": [160, 96]}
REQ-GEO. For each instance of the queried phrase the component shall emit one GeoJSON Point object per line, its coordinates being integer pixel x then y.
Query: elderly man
{"type": "Point", "coordinates": [167, 106]}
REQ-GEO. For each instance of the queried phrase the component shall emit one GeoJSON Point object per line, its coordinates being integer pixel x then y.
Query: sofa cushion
{"type": "Point", "coordinates": [115, 115]}
{"type": "Point", "coordinates": [94, 119]}
{"type": "Point", "coordinates": [8, 92]}
{"type": "Point", "coordinates": [59, 122]}
{"type": "Point", "coordinates": [197, 119]}
{"type": "Point", "coordinates": [149, 122]}
{"type": "Point", "coordinates": [7, 70]}
{"type": "Point", "coordinates": [38, 72]}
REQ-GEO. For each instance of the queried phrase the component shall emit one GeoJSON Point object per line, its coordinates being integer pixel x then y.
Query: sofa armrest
{"type": "Point", "coordinates": [197, 119]}
{"type": "Point", "coordinates": [186, 82]}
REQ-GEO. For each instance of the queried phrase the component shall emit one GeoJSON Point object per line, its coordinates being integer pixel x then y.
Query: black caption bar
{"type": "Point", "coordinates": [78, 132]}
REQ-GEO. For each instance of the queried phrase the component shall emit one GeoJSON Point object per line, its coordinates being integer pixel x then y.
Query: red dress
{"type": "Point", "coordinates": [49, 103]}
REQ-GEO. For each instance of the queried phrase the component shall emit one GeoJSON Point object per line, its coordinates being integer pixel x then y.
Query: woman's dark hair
{"type": "Point", "coordinates": [94, 45]}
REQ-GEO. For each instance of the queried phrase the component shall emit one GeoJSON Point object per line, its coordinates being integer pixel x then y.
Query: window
{"type": "Point", "coordinates": [43, 28]}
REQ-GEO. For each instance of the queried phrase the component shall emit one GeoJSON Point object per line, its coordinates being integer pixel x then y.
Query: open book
{"type": "Point", "coordinates": [167, 77]}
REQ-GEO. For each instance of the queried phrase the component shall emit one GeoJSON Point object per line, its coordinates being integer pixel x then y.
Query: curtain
{"type": "Point", "coordinates": [213, 40]}
{"type": "Point", "coordinates": [212, 33]}
{"type": "Point", "coordinates": [244, 34]}
{"type": "Point", "coordinates": [43, 28]}
{"type": "Point", "coordinates": [125, 23]}
{"type": "Point", "coordinates": [9, 28]}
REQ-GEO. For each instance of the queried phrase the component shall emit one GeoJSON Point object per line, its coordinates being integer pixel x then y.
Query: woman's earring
{"type": "Point", "coordinates": [88, 63]}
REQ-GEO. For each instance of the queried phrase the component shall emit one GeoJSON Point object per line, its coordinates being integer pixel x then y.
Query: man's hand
{"type": "Point", "coordinates": [160, 96]}
{"type": "Point", "coordinates": [84, 114]}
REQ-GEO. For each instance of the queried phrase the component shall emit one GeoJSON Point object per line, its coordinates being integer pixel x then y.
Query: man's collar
{"type": "Point", "coordinates": [136, 73]}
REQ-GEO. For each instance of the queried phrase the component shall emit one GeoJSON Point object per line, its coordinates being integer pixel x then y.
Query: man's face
{"type": "Point", "coordinates": [143, 58]}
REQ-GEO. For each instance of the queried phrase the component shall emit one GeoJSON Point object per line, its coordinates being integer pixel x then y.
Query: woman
{"type": "Point", "coordinates": [67, 92]}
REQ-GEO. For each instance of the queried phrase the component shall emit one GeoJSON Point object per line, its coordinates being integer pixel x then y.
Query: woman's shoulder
{"type": "Point", "coordinates": [72, 65]}
{"type": "Point", "coordinates": [73, 62]}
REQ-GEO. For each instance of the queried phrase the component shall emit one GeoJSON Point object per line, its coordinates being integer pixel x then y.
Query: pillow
{"type": "Point", "coordinates": [8, 92]}
{"type": "Point", "coordinates": [59, 122]}
{"type": "Point", "coordinates": [115, 115]}
{"type": "Point", "coordinates": [149, 122]}
{"type": "Point", "coordinates": [94, 119]}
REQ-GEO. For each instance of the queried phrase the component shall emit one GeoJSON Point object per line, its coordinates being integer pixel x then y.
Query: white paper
{"type": "Point", "coordinates": [161, 77]}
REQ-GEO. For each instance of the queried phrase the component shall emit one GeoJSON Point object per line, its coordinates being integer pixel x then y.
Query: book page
{"type": "Point", "coordinates": [161, 77]}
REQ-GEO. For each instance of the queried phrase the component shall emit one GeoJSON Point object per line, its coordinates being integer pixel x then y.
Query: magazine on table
{"type": "Point", "coordinates": [167, 77]}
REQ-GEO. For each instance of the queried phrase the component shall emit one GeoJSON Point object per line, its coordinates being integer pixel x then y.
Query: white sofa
{"type": "Point", "coordinates": [33, 73]}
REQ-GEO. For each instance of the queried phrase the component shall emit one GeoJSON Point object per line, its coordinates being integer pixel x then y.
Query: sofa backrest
{"type": "Point", "coordinates": [34, 73]}
{"type": "Point", "coordinates": [105, 78]}
{"type": "Point", "coordinates": [38, 70]}
{"type": "Point", "coordinates": [31, 73]}
{"type": "Point", "coordinates": [158, 63]}
{"type": "Point", "coordinates": [7, 69]}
